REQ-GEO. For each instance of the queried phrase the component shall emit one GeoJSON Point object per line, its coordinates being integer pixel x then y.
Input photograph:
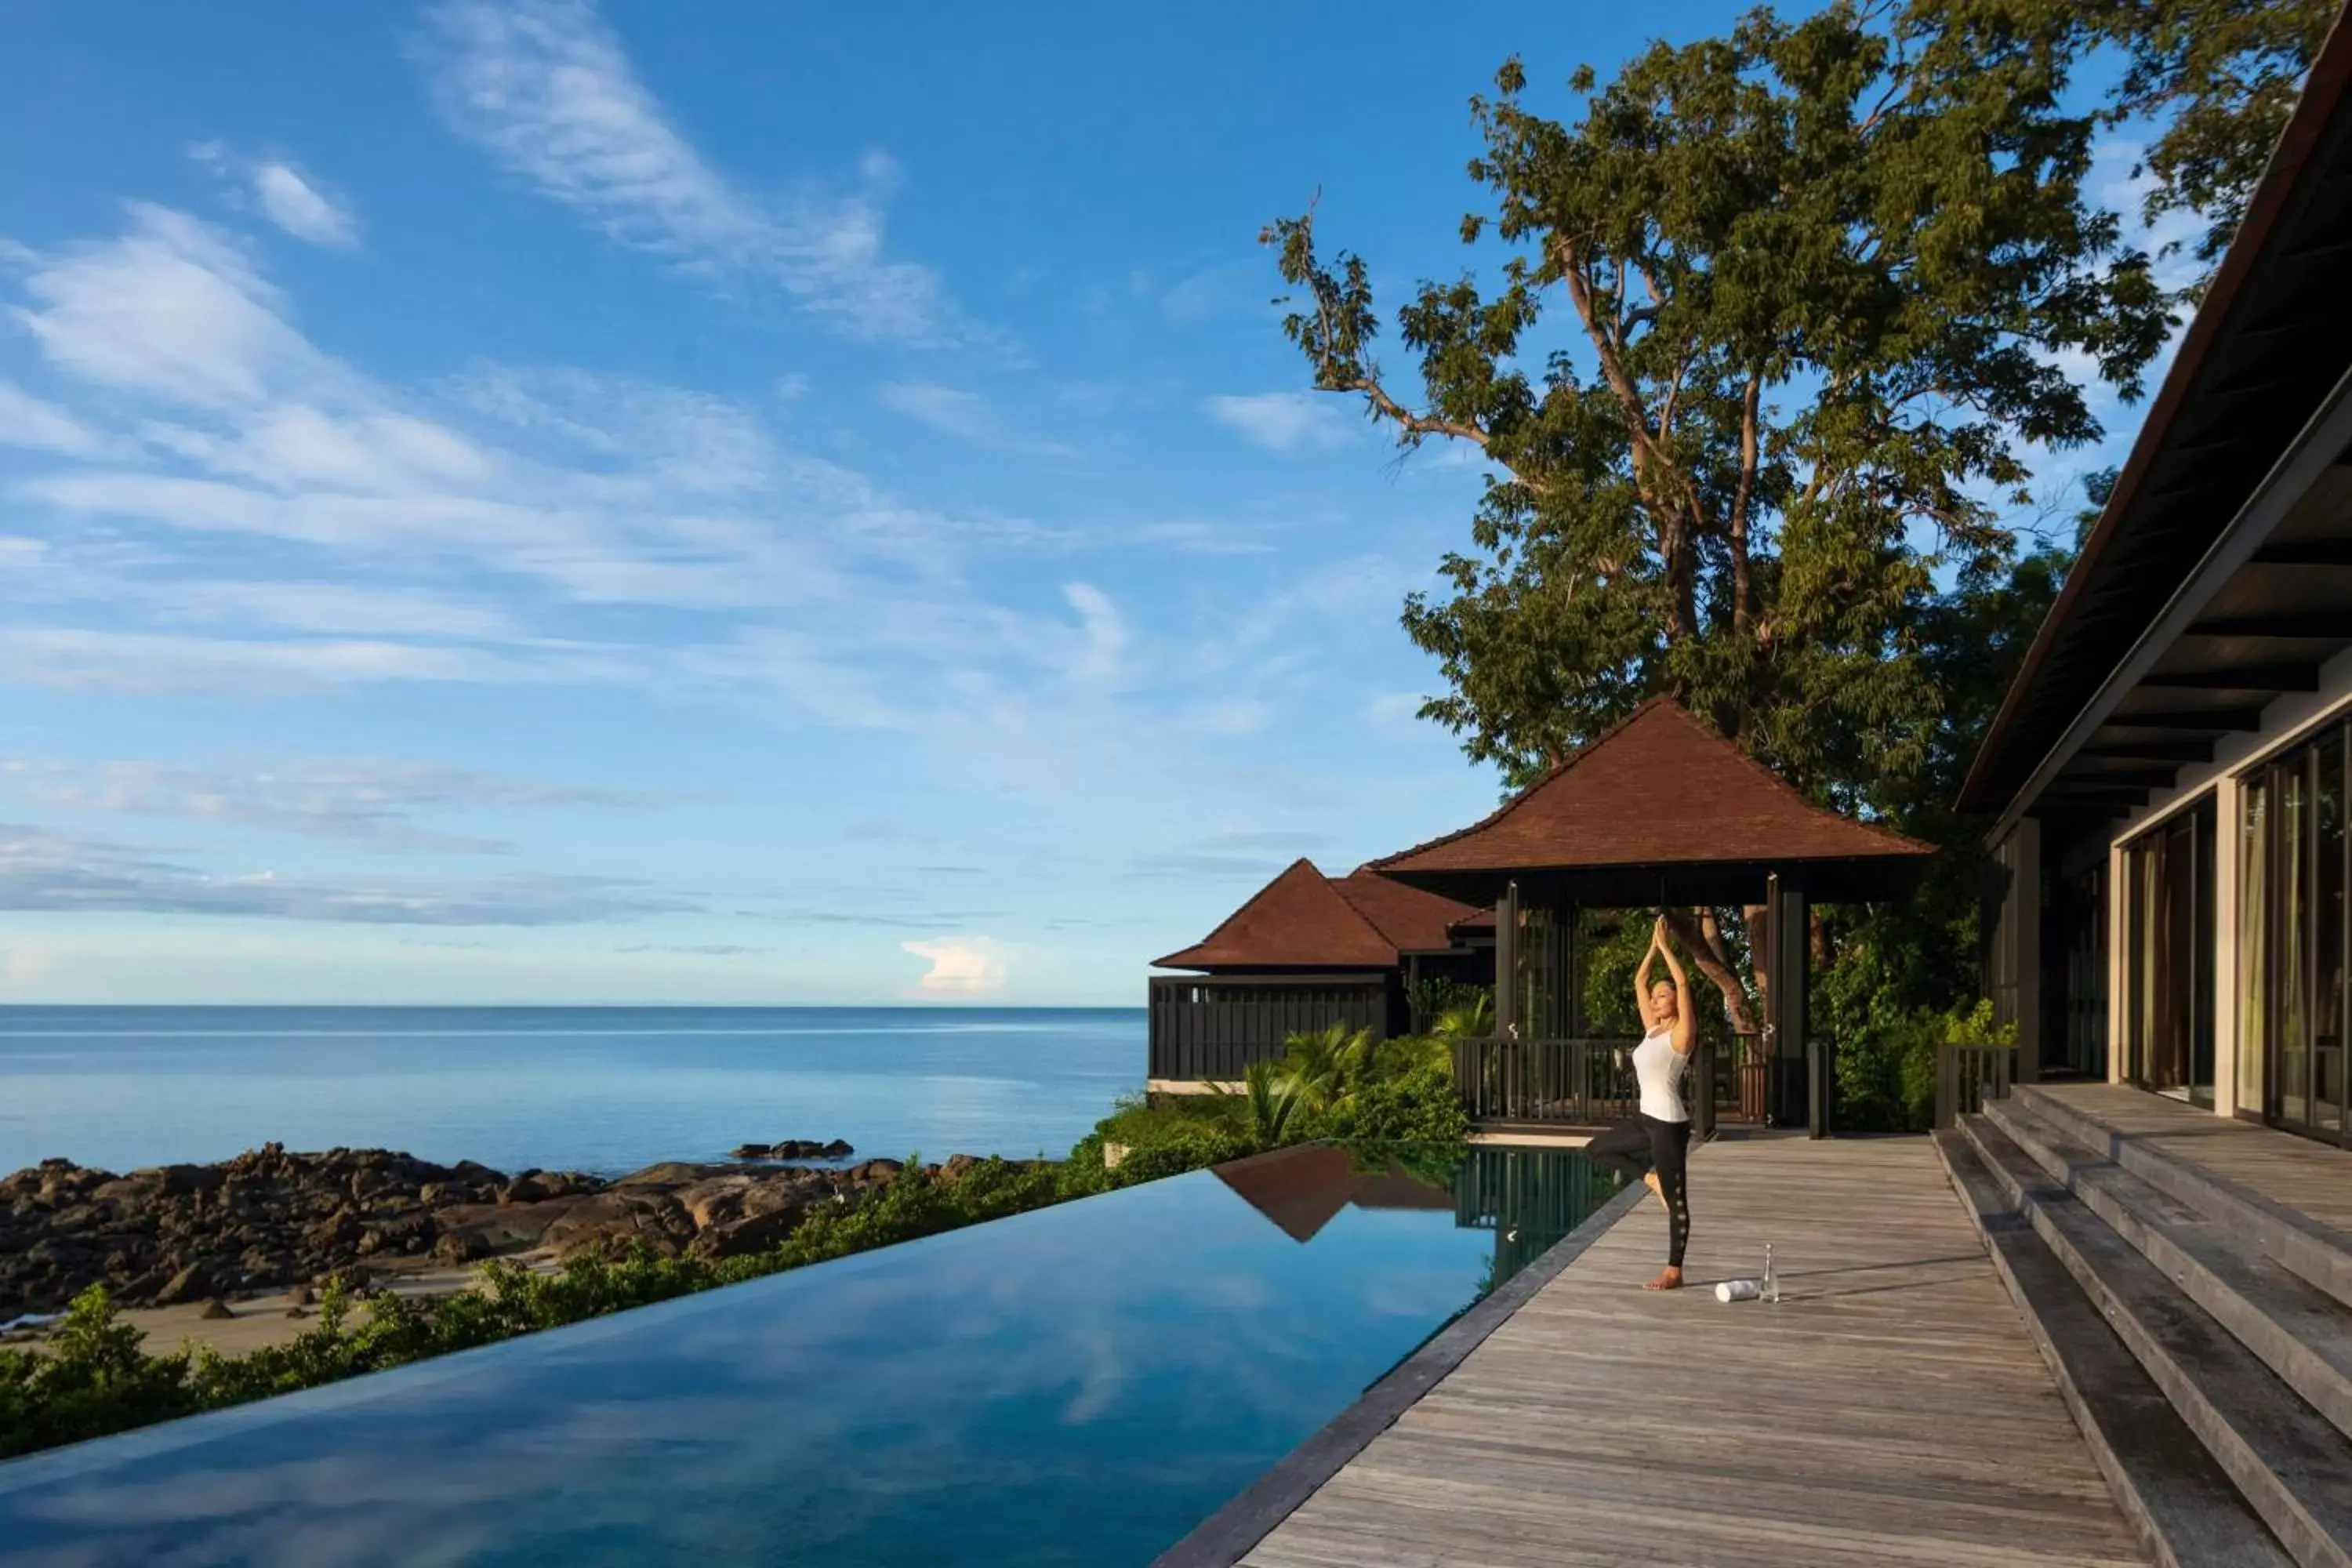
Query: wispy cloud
{"type": "Point", "coordinates": [158, 664]}
{"type": "Point", "coordinates": [52, 872]}
{"type": "Point", "coordinates": [968, 416]}
{"type": "Point", "coordinates": [1283, 421]}
{"type": "Point", "coordinates": [171, 309]}
{"type": "Point", "coordinates": [283, 195]}
{"type": "Point", "coordinates": [374, 802]}
{"type": "Point", "coordinates": [27, 421]}
{"type": "Point", "coordinates": [252, 516]}
{"type": "Point", "coordinates": [546, 87]}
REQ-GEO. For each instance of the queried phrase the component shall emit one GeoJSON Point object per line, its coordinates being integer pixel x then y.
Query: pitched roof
{"type": "Point", "coordinates": [1298, 1188]}
{"type": "Point", "coordinates": [1297, 920]}
{"type": "Point", "coordinates": [1412, 920]}
{"type": "Point", "coordinates": [1659, 789]}
{"type": "Point", "coordinates": [1301, 1189]}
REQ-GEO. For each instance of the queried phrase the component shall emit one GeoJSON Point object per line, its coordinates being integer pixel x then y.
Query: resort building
{"type": "Point", "coordinates": [2168, 773]}
{"type": "Point", "coordinates": [1308, 950]}
{"type": "Point", "coordinates": [1660, 810]}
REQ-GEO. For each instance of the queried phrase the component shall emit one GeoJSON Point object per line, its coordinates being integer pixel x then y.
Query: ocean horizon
{"type": "Point", "coordinates": [598, 1088]}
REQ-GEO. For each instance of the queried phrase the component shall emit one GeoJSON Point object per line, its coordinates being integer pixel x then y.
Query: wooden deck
{"type": "Point", "coordinates": [2305, 1176]}
{"type": "Point", "coordinates": [1891, 1409]}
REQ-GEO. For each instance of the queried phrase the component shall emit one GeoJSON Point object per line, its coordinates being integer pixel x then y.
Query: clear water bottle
{"type": "Point", "coordinates": [1771, 1286]}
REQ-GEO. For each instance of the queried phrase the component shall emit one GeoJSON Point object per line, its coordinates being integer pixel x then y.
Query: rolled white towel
{"type": "Point", "coordinates": [1737, 1291]}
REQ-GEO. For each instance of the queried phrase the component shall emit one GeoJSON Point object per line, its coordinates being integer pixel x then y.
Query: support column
{"type": "Point", "coordinates": [1506, 961]}
{"type": "Point", "coordinates": [2119, 938]}
{"type": "Point", "coordinates": [2011, 922]}
{"type": "Point", "coordinates": [1798, 1088]}
{"type": "Point", "coordinates": [2227, 856]}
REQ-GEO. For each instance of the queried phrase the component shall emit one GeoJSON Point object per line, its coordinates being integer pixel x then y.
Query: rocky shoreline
{"type": "Point", "coordinates": [269, 1220]}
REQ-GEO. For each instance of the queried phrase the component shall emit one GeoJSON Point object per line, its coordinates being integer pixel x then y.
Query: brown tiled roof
{"type": "Point", "coordinates": [1659, 789]}
{"type": "Point", "coordinates": [1299, 1189]}
{"type": "Point", "coordinates": [1413, 920]}
{"type": "Point", "coordinates": [1299, 920]}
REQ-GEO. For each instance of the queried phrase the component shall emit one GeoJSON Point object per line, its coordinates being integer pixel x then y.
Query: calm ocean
{"type": "Point", "coordinates": [596, 1089]}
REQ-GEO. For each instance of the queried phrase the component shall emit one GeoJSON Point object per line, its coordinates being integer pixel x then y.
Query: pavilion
{"type": "Point", "coordinates": [1306, 951]}
{"type": "Point", "coordinates": [1658, 811]}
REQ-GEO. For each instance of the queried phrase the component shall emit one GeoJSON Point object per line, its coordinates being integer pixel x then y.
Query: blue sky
{"type": "Point", "coordinates": [713, 502]}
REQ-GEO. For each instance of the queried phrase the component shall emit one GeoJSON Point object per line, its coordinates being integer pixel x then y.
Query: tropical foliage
{"type": "Point", "coordinates": [1886, 1077]}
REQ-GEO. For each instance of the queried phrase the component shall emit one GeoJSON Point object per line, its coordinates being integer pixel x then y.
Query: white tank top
{"type": "Point", "coordinates": [1658, 1068]}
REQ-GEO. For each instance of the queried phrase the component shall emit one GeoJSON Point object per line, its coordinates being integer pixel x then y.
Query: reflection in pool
{"type": "Point", "coordinates": [1082, 1384]}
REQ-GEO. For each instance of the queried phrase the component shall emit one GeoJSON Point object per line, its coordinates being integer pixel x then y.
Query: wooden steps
{"type": "Point", "coordinates": [2183, 1506]}
{"type": "Point", "coordinates": [2302, 1334]}
{"type": "Point", "coordinates": [2319, 1252]}
{"type": "Point", "coordinates": [2143, 1274]}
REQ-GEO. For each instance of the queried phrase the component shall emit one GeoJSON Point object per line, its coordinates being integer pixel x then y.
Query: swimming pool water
{"type": "Point", "coordinates": [1077, 1385]}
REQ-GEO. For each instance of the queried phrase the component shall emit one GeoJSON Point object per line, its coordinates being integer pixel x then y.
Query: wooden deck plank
{"type": "Point", "coordinates": [1891, 1409]}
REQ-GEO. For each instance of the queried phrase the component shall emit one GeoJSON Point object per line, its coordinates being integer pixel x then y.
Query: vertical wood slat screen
{"type": "Point", "coordinates": [1212, 1028]}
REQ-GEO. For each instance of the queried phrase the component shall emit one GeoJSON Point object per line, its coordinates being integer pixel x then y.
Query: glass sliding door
{"type": "Point", "coordinates": [2327, 947]}
{"type": "Point", "coordinates": [2291, 943]}
{"type": "Point", "coordinates": [2169, 959]}
{"type": "Point", "coordinates": [2294, 939]}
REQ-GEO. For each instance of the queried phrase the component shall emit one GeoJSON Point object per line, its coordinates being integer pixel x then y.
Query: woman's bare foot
{"type": "Point", "coordinates": [1669, 1279]}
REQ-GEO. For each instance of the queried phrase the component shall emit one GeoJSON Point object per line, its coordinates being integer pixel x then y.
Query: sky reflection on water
{"type": "Point", "coordinates": [1079, 1385]}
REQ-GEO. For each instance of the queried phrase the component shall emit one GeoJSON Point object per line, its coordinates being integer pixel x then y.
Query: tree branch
{"type": "Point", "coordinates": [1702, 938]}
{"type": "Point", "coordinates": [1743, 586]}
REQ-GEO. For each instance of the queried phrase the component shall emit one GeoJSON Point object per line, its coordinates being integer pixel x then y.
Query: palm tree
{"type": "Point", "coordinates": [1273, 1097]}
{"type": "Point", "coordinates": [1326, 1064]}
{"type": "Point", "coordinates": [1471, 1021]}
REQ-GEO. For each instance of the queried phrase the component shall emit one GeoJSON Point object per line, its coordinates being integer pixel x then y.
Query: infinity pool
{"type": "Point", "coordinates": [1079, 1385]}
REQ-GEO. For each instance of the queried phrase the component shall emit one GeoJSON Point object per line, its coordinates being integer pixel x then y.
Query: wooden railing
{"type": "Point", "coordinates": [1967, 1075]}
{"type": "Point", "coordinates": [1591, 1082]}
{"type": "Point", "coordinates": [1576, 1083]}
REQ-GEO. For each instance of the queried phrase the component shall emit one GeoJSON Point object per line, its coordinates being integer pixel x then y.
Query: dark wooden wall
{"type": "Point", "coordinates": [1213, 1026]}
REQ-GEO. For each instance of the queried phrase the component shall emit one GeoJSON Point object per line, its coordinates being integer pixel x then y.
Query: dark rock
{"type": "Point", "coordinates": [673, 1173]}
{"type": "Point", "coordinates": [180, 1234]}
{"type": "Point", "coordinates": [215, 1309]}
{"type": "Point", "coordinates": [837, 1150]}
{"type": "Point", "coordinates": [751, 1150]}
{"type": "Point", "coordinates": [615, 1221]}
{"type": "Point", "coordinates": [872, 1172]}
{"type": "Point", "coordinates": [187, 1284]}
{"type": "Point", "coordinates": [958, 1165]}
{"type": "Point", "coordinates": [753, 1232]}
{"type": "Point", "coordinates": [460, 1246]}
{"type": "Point", "coordinates": [526, 1188]}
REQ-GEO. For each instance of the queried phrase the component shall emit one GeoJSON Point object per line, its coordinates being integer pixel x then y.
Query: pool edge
{"type": "Point", "coordinates": [1228, 1535]}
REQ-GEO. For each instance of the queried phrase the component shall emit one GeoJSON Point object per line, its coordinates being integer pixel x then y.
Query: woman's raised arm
{"type": "Point", "coordinates": [1642, 984]}
{"type": "Point", "coordinates": [1685, 1026]}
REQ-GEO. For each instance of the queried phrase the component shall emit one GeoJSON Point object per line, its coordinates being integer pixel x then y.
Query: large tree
{"type": "Point", "coordinates": [1772, 327]}
{"type": "Point", "coordinates": [2215, 79]}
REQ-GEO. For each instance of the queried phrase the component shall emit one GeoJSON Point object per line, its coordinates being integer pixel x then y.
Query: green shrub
{"type": "Point", "coordinates": [1886, 1072]}
{"type": "Point", "coordinates": [1418, 1105]}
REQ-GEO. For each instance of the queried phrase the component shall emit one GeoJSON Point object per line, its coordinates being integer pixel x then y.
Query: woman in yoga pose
{"type": "Point", "coordinates": [1662, 1127]}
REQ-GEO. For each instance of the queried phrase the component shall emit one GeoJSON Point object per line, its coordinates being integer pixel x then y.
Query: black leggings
{"type": "Point", "coordinates": [1668, 1143]}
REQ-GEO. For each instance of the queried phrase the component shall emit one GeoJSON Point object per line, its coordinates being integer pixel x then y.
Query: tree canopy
{"type": "Point", "coordinates": [1823, 283]}
{"type": "Point", "coordinates": [1772, 328]}
{"type": "Point", "coordinates": [2218, 78]}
